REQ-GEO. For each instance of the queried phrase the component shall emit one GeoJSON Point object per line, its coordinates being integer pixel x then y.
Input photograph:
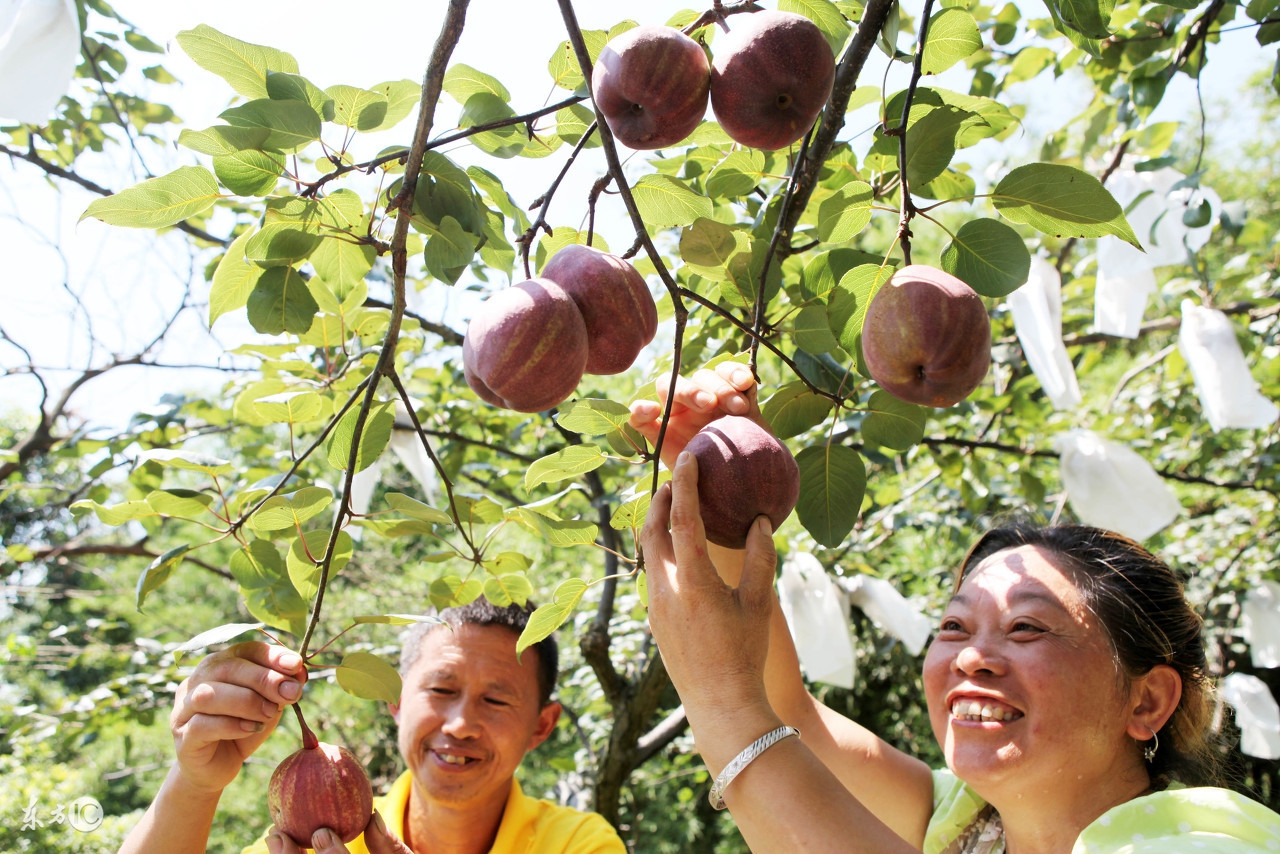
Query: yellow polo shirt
{"type": "Point", "coordinates": [529, 825]}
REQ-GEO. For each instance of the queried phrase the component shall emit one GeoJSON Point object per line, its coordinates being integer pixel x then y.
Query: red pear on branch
{"type": "Point", "coordinates": [651, 84]}
{"type": "Point", "coordinates": [321, 785]}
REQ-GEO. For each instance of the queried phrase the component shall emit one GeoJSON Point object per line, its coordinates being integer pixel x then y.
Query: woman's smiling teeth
{"type": "Point", "coordinates": [973, 710]}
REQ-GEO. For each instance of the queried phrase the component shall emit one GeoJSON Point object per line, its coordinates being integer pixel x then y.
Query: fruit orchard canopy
{"type": "Point", "coordinates": [39, 49]}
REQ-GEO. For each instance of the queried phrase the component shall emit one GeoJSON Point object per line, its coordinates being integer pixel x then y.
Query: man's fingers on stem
{"type": "Point", "coordinates": [268, 682]}
{"type": "Point", "coordinates": [231, 701]}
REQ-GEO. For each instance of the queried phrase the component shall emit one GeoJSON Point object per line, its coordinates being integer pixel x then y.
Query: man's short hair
{"type": "Point", "coordinates": [482, 612]}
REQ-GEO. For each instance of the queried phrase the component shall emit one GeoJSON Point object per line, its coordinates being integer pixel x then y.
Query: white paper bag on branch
{"type": "Point", "coordinates": [1260, 624]}
{"type": "Point", "coordinates": [1228, 392]}
{"type": "Point", "coordinates": [1257, 714]}
{"type": "Point", "coordinates": [818, 615]}
{"type": "Point", "coordinates": [889, 610]}
{"type": "Point", "coordinates": [1156, 219]}
{"type": "Point", "coordinates": [1037, 318]}
{"type": "Point", "coordinates": [1120, 299]}
{"type": "Point", "coordinates": [39, 50]}
{"type": "Point", "coordinates": [1111, 486]}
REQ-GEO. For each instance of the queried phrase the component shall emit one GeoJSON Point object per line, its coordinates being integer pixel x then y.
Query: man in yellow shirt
{"type": "Point", "coordinates": [469, 711]}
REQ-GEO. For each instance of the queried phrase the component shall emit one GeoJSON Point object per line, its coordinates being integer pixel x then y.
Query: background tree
{"type": "Point", "coordinates": [249, 507]}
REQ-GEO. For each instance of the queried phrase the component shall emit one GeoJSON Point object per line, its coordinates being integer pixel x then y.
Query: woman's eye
{"type": "Point", "coordinates": [949, 625]}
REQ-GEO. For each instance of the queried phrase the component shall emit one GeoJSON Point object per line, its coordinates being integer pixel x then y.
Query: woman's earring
{"type": "Point", "coordinates": [1149, 751]}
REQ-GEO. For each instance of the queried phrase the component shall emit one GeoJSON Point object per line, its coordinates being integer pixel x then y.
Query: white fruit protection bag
{"type": "Point", "coordinates": [818, 614]}
{"type": "Point", "coordinates": [1260, 624]}
{"type": "Point", "coordinates": [1154, 205]}
{"type": "Point", "coordinates": [1111, 486]}
{"type": "Point", "coordinates": [1257, 714]}
{"type": "Point", "coordinates": [1037, 318]}
{"type": "Point", "coordinates": [1228, 392]}
{"type": "Point", "coordinates": [39, 50]}
{"type": "Point", "coordinates": [889, 610]}
{"type": "Point", "coordinates": [408, 448]}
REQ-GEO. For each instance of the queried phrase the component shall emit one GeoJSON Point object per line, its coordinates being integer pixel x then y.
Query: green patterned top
{"type": "Point", "coordinates": [1178, 820]}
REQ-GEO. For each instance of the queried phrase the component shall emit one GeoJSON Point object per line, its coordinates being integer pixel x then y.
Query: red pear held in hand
{"type": "Point", "coordinates": [321, 785]}
{"type": "Point", "coordinates": [615, 304]}
{"type": "Point", "coordinates": [526, 347]}
{"type": "Point", "coordinates": [650, 84]}
{"type": "Point", "coordinates": [744, 471]}
{"type": "Point", "coordinates": [771, 76]}
{"type": "Point", "coordinates": [927, 337]}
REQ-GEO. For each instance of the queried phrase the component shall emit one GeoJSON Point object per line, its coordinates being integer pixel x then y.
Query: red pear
{"type": "Point", "coordinates": [771, 76]}
{"type": "Point", "coordinates": [743, 471]}
{"type": "Point", "coordinates": [927, 337]}
{"type": "Point", "coordinates": [526, 347]}
{"type": "Point", "coordinates": [650, 84]}
{"type": "Point", "coordinates": [321, 785]}
{"type": "Point", "coordinates": [615, 302]}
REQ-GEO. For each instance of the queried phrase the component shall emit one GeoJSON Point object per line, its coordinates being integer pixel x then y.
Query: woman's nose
{"type": "Point", "coordinates": [978, 657]}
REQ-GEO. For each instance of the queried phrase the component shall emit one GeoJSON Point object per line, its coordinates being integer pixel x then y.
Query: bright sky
{"type": "Point", "coordinates": [128, 281]}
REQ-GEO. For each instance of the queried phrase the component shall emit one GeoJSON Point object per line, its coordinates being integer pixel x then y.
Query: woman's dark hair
{"type": "Point", "coordinates": [1142, 607]}
{"type": "Point", "coordinates": [482, 612]}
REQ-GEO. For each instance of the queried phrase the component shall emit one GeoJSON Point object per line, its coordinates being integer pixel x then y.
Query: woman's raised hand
{"type": "Point", "coordinates": [728, 389]}
{"type": "Point", "coordinates": [714, 638]}
{"type": "Point", "coordinates": [228, 706]}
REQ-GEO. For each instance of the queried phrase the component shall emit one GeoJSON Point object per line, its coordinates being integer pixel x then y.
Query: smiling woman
{"type": "Point", "coordinates": [1066, 684]}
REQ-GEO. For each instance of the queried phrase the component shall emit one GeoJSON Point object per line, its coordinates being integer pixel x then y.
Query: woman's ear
{"type": "Point", "coordinates": [1155, 697]}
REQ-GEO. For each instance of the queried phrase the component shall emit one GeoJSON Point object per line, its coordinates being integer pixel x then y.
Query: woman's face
{"type": "Point", "coordinates": [1023, 689]}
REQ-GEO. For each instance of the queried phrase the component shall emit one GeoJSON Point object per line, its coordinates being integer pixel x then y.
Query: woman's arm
{"type": "Point", "coordinates": [715, 640]}
{"type": "Point", "coordinates": [895, 786]}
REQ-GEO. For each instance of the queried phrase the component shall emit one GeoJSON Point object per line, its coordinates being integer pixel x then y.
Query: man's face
{"type": "Point", "coordinates": [468, 713]}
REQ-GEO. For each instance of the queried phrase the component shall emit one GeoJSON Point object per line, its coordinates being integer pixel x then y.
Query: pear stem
{"type": "Point", "coordinates": [309, 739]}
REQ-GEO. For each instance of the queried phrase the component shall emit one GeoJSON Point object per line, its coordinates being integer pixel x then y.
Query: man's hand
{"type": "Point", "coordinates": [377, 839]}
{"type": "Point", "coordinates": [730, 389]}
{"type": "Point", "coordinates": [226, 709]}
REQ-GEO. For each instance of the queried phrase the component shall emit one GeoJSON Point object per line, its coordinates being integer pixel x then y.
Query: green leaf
{"type": "Point", "coordinates": [572, 122]}
{"type": "Point", "coordinates": [402, 96]}
{"type": "Point", "coordinates": [282, 243]}
{"type": "Point", "coordinates": [793, 409]}
{"type": "Point", "coordinates": [281, 302]}
{"type": "Point", "coordinates": [708, 246]}
{"type": "Point", "coordinates": [158, 573]}
{"type": "Point", "coordinates": [264, 583]}
{"type": "Point", "coordinates": [825, 14]}
{"type": "Point", "coordinates": [115, 514]}
{"type": "Point", "coordinates": [293, 125]}
{"type": "Point", "coordinates": [631, 514]}
{"type": "Point", "coordinates": [158, 202]}
{"type": "Point", "coordinates": [892, 423]}
{"type": "Point", "coordinates": [241, 64]}
{"type": "Point", "coordinates": [823, 273]}
{"type": "Point", "coordinates": [558, 532]}
{"type": "Point", "coordinates": [341, 262]}
{"type": "Point", "coordinates": [282, 86]}
{"type": "Point", "coordinates": [812, 331]}
{"type": "Point", "coordinates": [479, 510]}
{"type": "Point", "coordinates": [569, 462]}
{"type": "Point", "coordinates": [563, 65]}
{"type": "Point", "coordinates": [369, 677]}
{"type": "Point", "coordinates": [931, 144]}
{"type": "Point", "coordinates": [304, 571]}
{"type": "Point", "coordinates": [593, 416]}
{"type": "Point", "coordinates": [223, 139]}
{"type": "Point", "coordinates": [290, 511]}
{"type": "Point", "coordinates": [953, 37]}
{"type": "Point", "coordinates": [248, 173]}
{"type": "Point", "coordinates": [832, 481]}
{"type": "Point", "coordinates": [449, 250]}
{"type": "Point", "coordinates": [357, 108]}
{"type": "Point", "coordinates": [551, 616]}
{"type": "Point", "coordinates": [289, 407]}
{"type": "Point", "coordinates": [507, 562]}
{"type": "Point", "coordinates": [233, 281]}
{"type": "Point", "coordinates": [847, 306]}
{"type": "Point", "coordinates": [843, 216]}
{"type": "Point", "coordinates": [185, 460]}
{"type": "Point", "coordinates": [989, 257]}
{"type": "Point", "coordinates": [451, 591]}
{"type": "Point", "coordinates": [396, 619]}
{"type": "Point", "coordinates": [462, 81]}
{"type": "Point", "coordinates": [1062, 201]}
{"type": "Point", "coordinates": [413, 507]}
{"type": "Point", "coordinates": [504, 590]}
{"type": "Point", "coordinates": [1089, 18]}
{"type": "Point", "coordinates": [667, 202]}
{"type": "Point", "coordinates": [736, 175]}
{"type": "Point", "coordinates": [373, 441]}
{"type": "Point", "coordinates": [220, 634]}
{"type": "Point", "coordinates": [184, 503]}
